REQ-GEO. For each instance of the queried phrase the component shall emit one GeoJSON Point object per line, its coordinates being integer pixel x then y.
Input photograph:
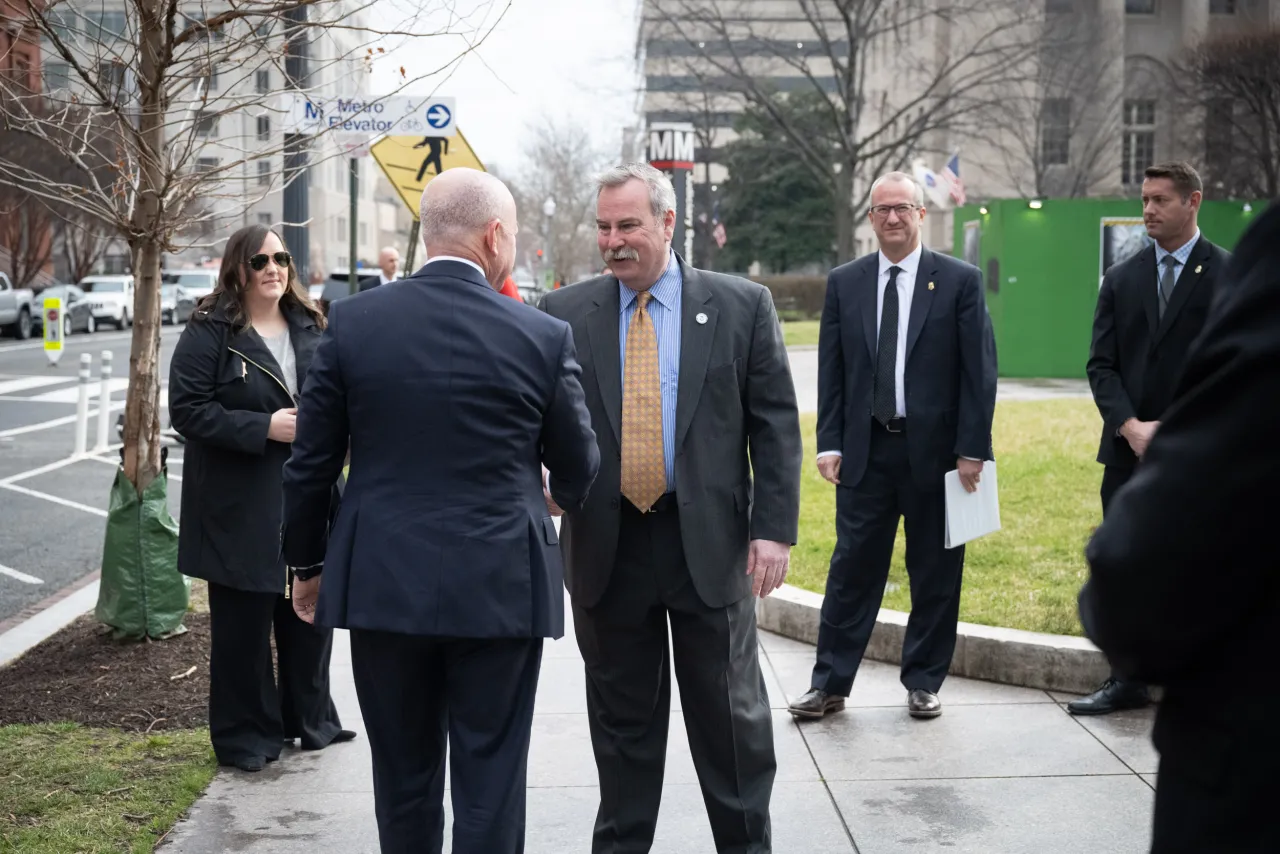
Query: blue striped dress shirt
{"type": "Point", "coordinates": [664, 311]}
{"type": "Point", "coordinates": [1180, 256]}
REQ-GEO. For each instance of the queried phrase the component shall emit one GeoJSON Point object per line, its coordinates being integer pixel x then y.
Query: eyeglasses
{"type": "Point", "coordinates": [903, 211]}
{"type": "Point", "coordinates": [259, 262]}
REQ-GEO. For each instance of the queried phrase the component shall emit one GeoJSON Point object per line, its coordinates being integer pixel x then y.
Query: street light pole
{"type": "Point", "coordinates": [548, 211]}
{"type": "Point", "coordinates": [297, 191]}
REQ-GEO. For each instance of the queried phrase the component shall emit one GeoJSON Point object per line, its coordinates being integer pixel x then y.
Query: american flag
{"type": "Point", "coordinates": [951, 175]}
{"type": "Point", "coordinates": [718, 232]}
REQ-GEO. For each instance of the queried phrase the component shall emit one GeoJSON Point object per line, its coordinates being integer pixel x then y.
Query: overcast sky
{"type": "Point", "coordinates": [544, 61]}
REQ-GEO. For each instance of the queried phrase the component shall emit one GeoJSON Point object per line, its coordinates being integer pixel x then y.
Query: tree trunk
{"type": "Point", "coordinates": [142, 406]}
{"type": "Point", "coordinates": [845, 245]}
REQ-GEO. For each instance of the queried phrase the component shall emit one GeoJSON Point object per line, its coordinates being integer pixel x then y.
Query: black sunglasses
{"type": "Point", "coordinates": [259, 262]}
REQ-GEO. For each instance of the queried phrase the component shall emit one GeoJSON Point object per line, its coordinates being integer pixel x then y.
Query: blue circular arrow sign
{"type": "Point", "coordinates": [438, 116]}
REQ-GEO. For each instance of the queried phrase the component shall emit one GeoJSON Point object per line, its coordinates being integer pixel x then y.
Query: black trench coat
{"type": "Point", "coordinates": [224, 385]}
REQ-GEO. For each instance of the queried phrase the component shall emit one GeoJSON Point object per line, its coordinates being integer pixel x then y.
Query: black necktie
{"type": "Point", "coordinates": [884, 397]}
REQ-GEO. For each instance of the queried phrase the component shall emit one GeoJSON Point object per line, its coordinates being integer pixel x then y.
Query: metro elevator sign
{"type": "Point", "coordinates": [671, 146]}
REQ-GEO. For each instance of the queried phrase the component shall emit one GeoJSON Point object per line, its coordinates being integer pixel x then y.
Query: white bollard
{"type": "Point", "coordinates": [82, 406]}
{"type": "Point", "coordinates": [104, 402]}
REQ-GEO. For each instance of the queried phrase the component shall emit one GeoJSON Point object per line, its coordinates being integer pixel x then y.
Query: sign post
{"type": "Point", "coordinates": [671, 149]}
{"type": "Point", "coordinates": [53, 329]}
{"type": "Point", "coordinates": [410, 162]}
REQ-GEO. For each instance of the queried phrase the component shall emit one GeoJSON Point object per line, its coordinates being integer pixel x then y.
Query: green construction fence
{"type": "Point", "coordinates": [1042, 262]}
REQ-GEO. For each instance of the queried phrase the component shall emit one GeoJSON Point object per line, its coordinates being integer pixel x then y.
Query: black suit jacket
{"type": "Point", "coordinates": [1184, 588]}
{"type": "Point", "coordinates": [453, 397]}
{"type": "Point", "coordinates": [1136, 356]}
{"type": "Point", "coordinates": [949, 376]}
{"type": "Point", "coordinates": [736, 416]}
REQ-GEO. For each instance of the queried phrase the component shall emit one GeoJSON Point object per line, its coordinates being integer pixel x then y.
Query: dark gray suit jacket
{"type": "Point", "coordinates": [950, 374]}
{"type": "Point", "coordinates": [736, 417]}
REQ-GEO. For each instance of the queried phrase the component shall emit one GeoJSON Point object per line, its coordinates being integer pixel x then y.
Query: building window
{"type": "Point", "coordinates": [342, 260]}
{"type": "Point", "coordinates": [1140, 7]}
{"type": "Point", "coordinates": [264, 219]}
{"type": "Point", "coordinates": [206, 164]}
{"type": "Point", "coordinates": [1139, 144]}
{"type": "Point", "coordinates": [1055, 131]}
{"type": "Point", "coordinates": [211, 79]}
{"type": "Point", "coordinates": [57, 76]}
{"type": "Point", "coordinates": [1222, 7]}
{"type": "Point", "coordinates": [264, 127]}
{"type": "Point", "coordinates": [262, 81]}
{"type": "Point", "coordinates": [111, 77]}
{"type": "Point", "coordinates": [340, 228]}
{"type": "Point", "coordinates": [206, 125]}
{"type": "Point", "coordinates": [264, 172]}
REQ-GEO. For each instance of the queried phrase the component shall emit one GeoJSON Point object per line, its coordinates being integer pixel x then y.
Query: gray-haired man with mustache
{"type": "Point", "coordinates": [690, 395]}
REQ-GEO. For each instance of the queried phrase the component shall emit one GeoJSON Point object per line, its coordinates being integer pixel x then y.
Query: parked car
{"type": "Point", "coordinates": [198, 283]}
{"type": "Point", "coordinates": [17, 309]}
{"type": "Point", "coordinates": [111, 298]}
{"type": "Point", "coordinates": [176, 304]}
{"type": "Point", "coordinates": [77, 310]}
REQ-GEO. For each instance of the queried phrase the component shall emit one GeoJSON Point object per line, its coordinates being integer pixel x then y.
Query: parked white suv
{"type": "Point", "coordinates": [111, 298]}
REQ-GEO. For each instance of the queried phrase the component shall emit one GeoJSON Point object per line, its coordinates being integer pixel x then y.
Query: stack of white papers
{"type": "Point", "coordinates": [971, 515]}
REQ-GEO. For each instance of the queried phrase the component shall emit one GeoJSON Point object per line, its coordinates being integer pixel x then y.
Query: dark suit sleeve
{"type": "Point", "coordinates": [569, 449]}
{"type": "Point", "coordinates": [977, 370]}
{"type": "Point", "coordinates": [319, 450]}
{"type": "Point", "coordinates": [193, 412]}
{"type": "Point", "coordinates": [830, 373]}
{"type": "Point", "coordinates": [1200, 509]}
{"type": "Point", "coordinates": [773, 430]}
{"type": "Point", "coordinates": [1103, 366]}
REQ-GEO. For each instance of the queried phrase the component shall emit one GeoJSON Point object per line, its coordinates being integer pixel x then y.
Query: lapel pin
{"type": "Point", "coordinates": [701, 318]}
{"type": "Point", "coordinates": [931, 286]}
{"type": "Point", "coordinates": [1199, 267]}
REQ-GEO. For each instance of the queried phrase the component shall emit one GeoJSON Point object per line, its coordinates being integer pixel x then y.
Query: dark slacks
{"type": "Point", "coordinates": [866, 524]}
{"type": "Point", "coordinates": [623, 640]}
{"type": "Point", "coordinates": [418, 694]}
{"type": "Point", "coordinates": [1114, 477]}
{"type": "Point", "coordinates": [251, 710]}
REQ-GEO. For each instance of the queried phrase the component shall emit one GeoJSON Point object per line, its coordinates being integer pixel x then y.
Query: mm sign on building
{"type": "Point", "coordinates": [671, 149]}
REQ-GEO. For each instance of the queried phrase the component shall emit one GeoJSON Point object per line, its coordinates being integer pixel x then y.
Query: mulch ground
{"type": "Point", "coordinates": [82, 675]}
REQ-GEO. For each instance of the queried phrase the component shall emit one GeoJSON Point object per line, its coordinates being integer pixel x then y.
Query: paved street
{"type": "Point", "coordinates": [1004, 771]}
{"type": "Point", "coordinates": [54, 508]}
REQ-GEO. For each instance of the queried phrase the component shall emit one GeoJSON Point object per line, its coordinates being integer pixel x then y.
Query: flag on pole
{"type": "Point", "coordinates": [932, 183]}
{"type": "Point", "coordinates": [951, 177]}
{"type": "Point", "coordinates": [718, 232]}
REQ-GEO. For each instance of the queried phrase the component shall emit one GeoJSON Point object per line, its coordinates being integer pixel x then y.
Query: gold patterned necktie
{"type": "Point", "coordinates": [644, 472]}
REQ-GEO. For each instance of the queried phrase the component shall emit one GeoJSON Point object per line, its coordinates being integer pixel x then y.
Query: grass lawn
{"type": "Point", "coordinates": [67, 789]}
{"type": "Point", "coordinates": [1025, 576]}
{"type": "Point", "coordinates": [800, 332]}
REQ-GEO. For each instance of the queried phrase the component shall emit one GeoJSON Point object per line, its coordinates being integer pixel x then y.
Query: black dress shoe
{"type": "Point", "coordinates": [1113, 696]}
{"type": "Point", "coordinates": [923, 704]}
{"type": "Point", "coordinates": [343, 735]}
{"type": "Point", "coordinates": [814, 704]}
{"type": "Point", "coordinates": [251, 763]}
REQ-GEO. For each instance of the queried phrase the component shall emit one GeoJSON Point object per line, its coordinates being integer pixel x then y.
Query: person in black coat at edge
{"type": "Point", "coordinates": [233, 382]}
{"type": "Point", "coordinates": [1184, 589]}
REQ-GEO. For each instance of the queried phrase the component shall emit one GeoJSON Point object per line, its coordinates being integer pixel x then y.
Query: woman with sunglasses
{"type": "Point", "coordinates": [233, 386]}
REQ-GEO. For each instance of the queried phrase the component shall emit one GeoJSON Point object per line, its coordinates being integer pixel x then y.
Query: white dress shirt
{"type": "Point", "coordinates": [383, 280]}
{"type": "Point", "coordinates": [460, 260]}
{"type": "Point", "coordinates": [906, 285]}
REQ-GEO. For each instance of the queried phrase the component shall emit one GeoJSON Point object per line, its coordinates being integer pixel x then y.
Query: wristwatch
{"type": "Point", "coordinates": [306, 573]}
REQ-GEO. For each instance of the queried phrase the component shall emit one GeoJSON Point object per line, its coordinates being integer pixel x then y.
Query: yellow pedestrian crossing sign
{"type": "Point", "coordinates": [410, 162]}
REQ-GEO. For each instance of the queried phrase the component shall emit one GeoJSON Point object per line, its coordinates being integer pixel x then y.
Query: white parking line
{"type": "Point", "coordinates": [23, 475]}
{"type": "Point", "coordinates": [21, 576]}
{"type": "Point", "coordinates": [72, 394]}
{"type": "Point", "coordinates": [89, 340]}
{"type": "Point", "coordinates": [24, 383]}
{"type": "Point", "coordinates": [56, 422]}
{"type": "Point", "coordinates": [75, 505]}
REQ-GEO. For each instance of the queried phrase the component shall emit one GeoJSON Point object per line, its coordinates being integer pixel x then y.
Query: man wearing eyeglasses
{"type": "Point", "coordinates": [906, 393]}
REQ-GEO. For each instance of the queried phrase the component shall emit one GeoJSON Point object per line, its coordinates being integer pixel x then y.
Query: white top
{"type": "Point", "coordinates": [461, 260]}
{"type": "Point", "coordinates": [383, 280]}
{"type": "Point", "coordinates": [282, 348]}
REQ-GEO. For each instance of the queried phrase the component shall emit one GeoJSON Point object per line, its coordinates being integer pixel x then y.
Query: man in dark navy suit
{"type": "Point", "coordinates": [906, 393]}
{"type": "Point", "coordinates": [442, 561]}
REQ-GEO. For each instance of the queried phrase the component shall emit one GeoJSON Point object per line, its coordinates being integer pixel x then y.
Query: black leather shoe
{"type": "Point", "coordinates": [251, 763]}
{"type": "Point", "coordinates": [923, 704]}
{"type": "Point", "coordinates": [814, 704]}
{"type": "Point", "coordinates": [1113, 696]}
{"type": "Point", "coordinates": [343, 735]}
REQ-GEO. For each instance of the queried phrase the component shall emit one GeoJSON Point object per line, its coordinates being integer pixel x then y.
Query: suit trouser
{"type": "Point", "coordinates": [866, 525]}
{"type": "Point", "coordinates": [249, 714]}
{"type": "Point", "coordinates": [417, 693]}
{"type": "Point", "coordinates": [623, 640]}
{"type": "Point", "coordinates": [1113, 478]}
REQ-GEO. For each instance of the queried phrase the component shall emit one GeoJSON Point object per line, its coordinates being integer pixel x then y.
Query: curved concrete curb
{"type": "Point", "coordinates": [1011, 656]}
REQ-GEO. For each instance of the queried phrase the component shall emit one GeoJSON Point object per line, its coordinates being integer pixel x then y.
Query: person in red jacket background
{"type": "Point", "coordinates": [509, 289]}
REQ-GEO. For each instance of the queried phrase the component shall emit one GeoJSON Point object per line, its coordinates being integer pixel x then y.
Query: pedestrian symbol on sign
{"type": "Point", "coordinates": [433, 154]}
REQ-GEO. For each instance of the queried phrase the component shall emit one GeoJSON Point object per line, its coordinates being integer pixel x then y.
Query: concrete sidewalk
{"type": "Point", "coordinates": [1005, 770]}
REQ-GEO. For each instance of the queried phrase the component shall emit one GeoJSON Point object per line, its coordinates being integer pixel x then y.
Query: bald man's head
{"type": "Point", "coordinates": [471, 214]}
